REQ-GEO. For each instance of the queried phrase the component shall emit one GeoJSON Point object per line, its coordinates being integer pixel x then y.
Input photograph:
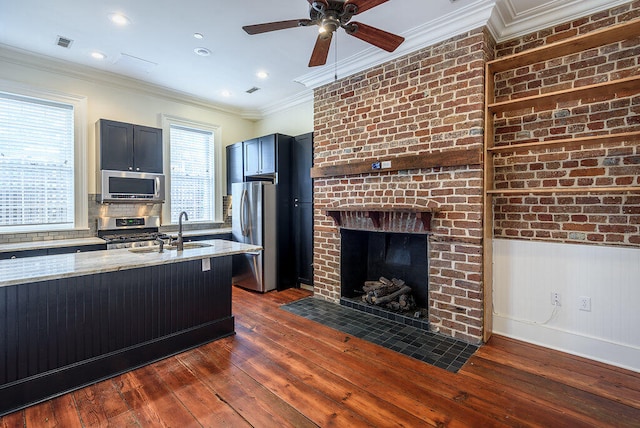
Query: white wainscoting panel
{"type": "Point", "coordinates": [527, 272]}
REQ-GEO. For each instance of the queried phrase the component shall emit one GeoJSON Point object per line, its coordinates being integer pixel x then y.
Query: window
{"type": "Point", "coordinates": [39, 167]}
{"type": "Point", "coordinates": [192, 168]}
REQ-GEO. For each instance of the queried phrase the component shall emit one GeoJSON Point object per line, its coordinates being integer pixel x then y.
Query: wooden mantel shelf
{"type": "Point", "coordinates": [374, 213]}
{"type": "Point", "coordinates": [447, 158]}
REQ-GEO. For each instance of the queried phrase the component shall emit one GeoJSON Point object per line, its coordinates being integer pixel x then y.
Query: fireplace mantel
{"type": "Point", "coordinates": [423, 214]}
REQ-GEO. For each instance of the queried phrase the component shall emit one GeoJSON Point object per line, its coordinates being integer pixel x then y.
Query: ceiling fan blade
{"type": "Point", "coordinates": [363, 5]}
{"type": "Point", "coordinates": [321, 50]}
{"type": "Point", "coordinates": [377, 37]}
{"type": "Point", "coordinates": [273, 26]}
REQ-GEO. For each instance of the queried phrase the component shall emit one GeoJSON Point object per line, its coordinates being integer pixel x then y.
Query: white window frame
{"type": "Point", "coordinates": [167, 122]}
{"type": "Point", "coordinates": [80, 192]}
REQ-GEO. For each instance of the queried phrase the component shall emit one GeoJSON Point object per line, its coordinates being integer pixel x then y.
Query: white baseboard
{"type": "Point", "coordinates": [593, 348]}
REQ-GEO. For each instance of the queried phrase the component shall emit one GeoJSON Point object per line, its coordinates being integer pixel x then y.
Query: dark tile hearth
{"type": "Point", "coordinates": [422, 324]}
{"type": "Point", "coordinates": [432, 348]}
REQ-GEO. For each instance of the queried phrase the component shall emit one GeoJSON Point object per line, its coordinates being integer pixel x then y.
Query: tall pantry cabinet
{"type": "Point", "coordinates": [287, 161]}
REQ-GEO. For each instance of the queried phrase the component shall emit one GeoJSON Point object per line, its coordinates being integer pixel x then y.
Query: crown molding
{"type": "Point", "coordinates": [505, 23]}
{"type": "Point", "coordinates": [472, 16]}
{"type": "Point", "coordinates": [48, 64]}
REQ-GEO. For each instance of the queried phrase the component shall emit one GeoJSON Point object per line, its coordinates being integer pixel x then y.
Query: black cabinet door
{"type": "Point", "coordinates": [303, 241]}
{"type": "Point", "coordinates": [267, 154]}
{"type": "Point", "coordinates": [21, 254]}
{"type": "Point", "coordinates": [147, 149]}
{"type": "Point", "coordinates": [128, 147]}
{"type": "Point", "coordinates": [76, 249]}
{"type": "Point", "coordinates": [235, 165]}
{"type": "Point", "coordinates": [251, 149]}
{"type": "Point", "coordinates": [302, 193]}
{"type": "Point", "coordinates": [116, 145]}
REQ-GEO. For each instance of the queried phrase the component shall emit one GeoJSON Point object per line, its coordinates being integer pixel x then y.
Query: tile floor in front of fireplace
{"type": "Point", "coordinates": [432, 348]}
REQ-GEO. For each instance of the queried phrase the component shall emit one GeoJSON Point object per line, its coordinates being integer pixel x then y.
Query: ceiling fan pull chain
{"type": "Point", "coordinates": [335, 73]}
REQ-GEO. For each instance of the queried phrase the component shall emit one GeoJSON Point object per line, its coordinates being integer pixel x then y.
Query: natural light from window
{"type": "Point", "coordinates": [192, 173]}
{"type": "Point", "coordinates": [36, 163]}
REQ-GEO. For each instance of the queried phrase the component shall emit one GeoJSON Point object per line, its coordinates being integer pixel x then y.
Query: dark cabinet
{"type": "Point", "coordinates": [235, 165]}
{"type": "Point", "coordinates": [302, 211]}
{"type": "Point", "coordinates": [260, 154]}
{"type": "Point", "coordinates": [51, 251]}
{"type": "Point", "coordinates": [128, 147]}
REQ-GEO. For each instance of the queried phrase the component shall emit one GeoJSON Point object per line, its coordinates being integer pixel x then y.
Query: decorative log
{"type": "Point", "coordinates": [391, 297]}
{"type": "Point", "coordinates": [372, 285]}
{"type": "Point", "coordinates": [385, 281]}
{"type": "Point", "coordinates": [397, 282]}
{"type": "Point", "coordinates": [379, 292]}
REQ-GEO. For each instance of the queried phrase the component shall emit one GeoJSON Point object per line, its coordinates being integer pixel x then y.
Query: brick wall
{"type": "Point", "coordinates": [430, 100]}
{"type": "Point", "coordinates": [593, 218]}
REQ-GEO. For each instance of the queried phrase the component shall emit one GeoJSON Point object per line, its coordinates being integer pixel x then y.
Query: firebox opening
{"type": "Point", "coordinates": [367, 256]}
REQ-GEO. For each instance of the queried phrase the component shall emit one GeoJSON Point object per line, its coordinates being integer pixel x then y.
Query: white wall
{"type": "Point", "coordinates": [292, 121]}
{"type": "Point", "coordinates": [110, 97]}
{"type": "Point", "coordinates": [527, 272]}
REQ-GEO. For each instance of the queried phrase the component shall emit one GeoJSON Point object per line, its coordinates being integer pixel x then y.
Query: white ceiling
{"type": "Point", "coordinates": [157, 47]}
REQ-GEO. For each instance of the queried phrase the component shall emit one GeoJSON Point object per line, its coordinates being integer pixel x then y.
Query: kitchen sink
{"type": "Point", "coordinates": [156, 248]}
{"type": "Point", "coordinates": [188, 245]}
{"type": "Point", "coordinates": [152, 249]}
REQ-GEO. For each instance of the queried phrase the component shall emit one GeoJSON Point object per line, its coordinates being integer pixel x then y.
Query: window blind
{"type": "Point", "coordinates": [192, 180]}
{"type": "Point", "coordinates": [36, 162]}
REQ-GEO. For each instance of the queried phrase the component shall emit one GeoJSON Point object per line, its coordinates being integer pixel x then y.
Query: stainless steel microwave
{"type": "Point", "coordinates": [126, 186]}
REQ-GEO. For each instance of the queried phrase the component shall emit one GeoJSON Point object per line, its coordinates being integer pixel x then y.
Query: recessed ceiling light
{"type": "Point", "coordinates": [226, 93]}
{"type": "Point", "coordinates": [262, 74]}
{"type": "Point", "coordinates": [198, 36]}
{"type": "Point", "coordinates": [202, 51]}
{"type": "Point", "coordinates": [119, 19]}
{"type": "Point", "coordinates": [98, 55]}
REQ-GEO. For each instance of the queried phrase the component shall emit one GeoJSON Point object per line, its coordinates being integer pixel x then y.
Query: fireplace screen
{"type": "Point", "coordinates": [366, 257]}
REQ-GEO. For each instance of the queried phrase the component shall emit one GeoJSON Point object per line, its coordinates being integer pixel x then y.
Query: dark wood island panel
{"type": "Point", "coordinates": [62, 334]}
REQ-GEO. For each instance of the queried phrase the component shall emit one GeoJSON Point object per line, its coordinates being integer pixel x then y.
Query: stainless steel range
{"type": "Point", "coordinates": [129, 232]}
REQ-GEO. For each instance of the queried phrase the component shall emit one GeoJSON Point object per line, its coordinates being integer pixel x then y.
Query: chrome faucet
{"type": "Point", "coordinates": [161, 243]}
{"type": "Point", "coordinates": [180, 243]}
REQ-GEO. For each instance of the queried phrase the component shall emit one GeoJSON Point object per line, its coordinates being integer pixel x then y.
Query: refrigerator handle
{"type": "Point", "coordinates": [243, 199]}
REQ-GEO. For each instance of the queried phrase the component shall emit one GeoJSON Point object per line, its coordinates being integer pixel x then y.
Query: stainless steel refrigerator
{"type": "Point", "coordinates": [254, 221]}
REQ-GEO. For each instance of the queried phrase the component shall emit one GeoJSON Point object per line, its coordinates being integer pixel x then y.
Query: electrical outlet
{"type": "Point", "coordinates": [585, 303]}
{"type": "Point", "coordinates": [555, 299]}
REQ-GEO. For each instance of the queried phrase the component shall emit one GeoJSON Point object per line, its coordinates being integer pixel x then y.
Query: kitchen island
{"type": "Point", "coordinates": [70, 320]}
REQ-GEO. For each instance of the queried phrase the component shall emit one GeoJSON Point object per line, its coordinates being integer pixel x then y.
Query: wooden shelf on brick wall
{"type": "Point", "coordinates": [547, 101]}
{"type": "Point", "coordinates": [457, 157]}
{"type": "Point", "coordinates": [374, 213]}
{"type": "Point", "coordinates": [566, 142]}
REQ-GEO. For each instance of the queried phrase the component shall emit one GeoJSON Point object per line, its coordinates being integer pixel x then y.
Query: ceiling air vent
{"type": "Point", "coordinates": [64, 42]}
{"type": "Point", "coordinates": [252, 90]}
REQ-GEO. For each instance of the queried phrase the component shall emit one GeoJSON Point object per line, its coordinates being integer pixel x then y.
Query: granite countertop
{"type": "Point", "coordinates": [199, 232]}
{"type": "Point", "coordinates": [42, 268]}
{"type": "Point", "coordinates": [55, 243]}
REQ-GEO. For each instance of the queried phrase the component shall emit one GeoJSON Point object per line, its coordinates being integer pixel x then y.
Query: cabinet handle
{"type": "Point", "coordinates": [130, 168]}
{"type": "Point", "coordinates": [77, 251]}
{"type": "Point", "coordinates": [13, 257]}
{"type": "Point", "coordinates": [137, 169]}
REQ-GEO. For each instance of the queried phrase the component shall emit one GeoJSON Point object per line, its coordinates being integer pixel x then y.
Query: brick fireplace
{"type": "Point", "coordinates": [403, 138]}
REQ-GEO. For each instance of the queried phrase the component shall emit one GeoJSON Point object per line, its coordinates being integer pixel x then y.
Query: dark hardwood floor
{"type": "Point", "coordinates": [283, 370]}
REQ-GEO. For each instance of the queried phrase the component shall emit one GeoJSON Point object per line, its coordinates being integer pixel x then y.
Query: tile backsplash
{"type": "Point", "coordinates": [97, 209]}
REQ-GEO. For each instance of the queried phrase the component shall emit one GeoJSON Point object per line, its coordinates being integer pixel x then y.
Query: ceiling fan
{"type": "Point", "coordinates": [330, 15]}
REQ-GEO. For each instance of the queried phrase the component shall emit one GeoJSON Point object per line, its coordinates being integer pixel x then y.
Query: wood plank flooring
{"type": "Point", "coordinates": [281, 370]}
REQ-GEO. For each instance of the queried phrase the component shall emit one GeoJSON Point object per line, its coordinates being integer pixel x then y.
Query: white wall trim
{"type": "Point", "coordinates": [218, 173]}
{"type": "Point", "coordinates": [593, 348]}
{"type": "Point", "coordinates": [79, 102]}
{"type": "Point", "coordinates": [505, 23]}
{"type": "Point", "coordinates": [525, 273]}
{"type": "Point", "coordinates": [93, 75]}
